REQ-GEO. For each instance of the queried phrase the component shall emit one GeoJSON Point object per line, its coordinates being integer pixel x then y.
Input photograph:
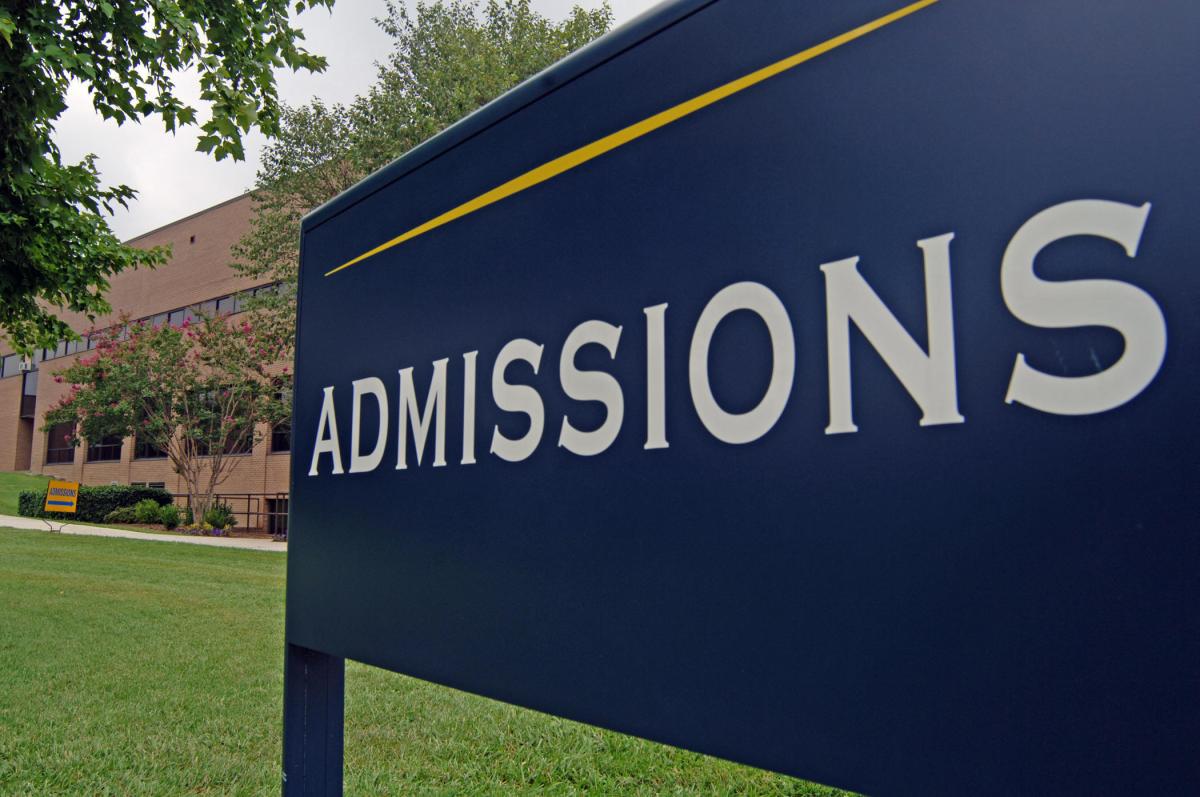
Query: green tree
{"type": "Point", "coordinates": [56, 249]}
{"type": "Point", "coordinates": [447, 59]}
{"type": "Point", "coordinates": [198, 392]}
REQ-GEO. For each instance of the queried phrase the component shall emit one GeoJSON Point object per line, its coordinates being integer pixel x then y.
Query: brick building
{"type": "Point", "coordinates": [197, 278]}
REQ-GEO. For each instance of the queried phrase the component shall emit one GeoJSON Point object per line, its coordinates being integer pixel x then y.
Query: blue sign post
{"type": "Point", "coordinates": [808, 384]}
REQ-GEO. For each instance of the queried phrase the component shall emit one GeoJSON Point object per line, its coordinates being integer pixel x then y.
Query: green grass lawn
{"type": "Point", "coordinates": [11, 485]}
{"type": "Point", "coordinates": [138, 668]}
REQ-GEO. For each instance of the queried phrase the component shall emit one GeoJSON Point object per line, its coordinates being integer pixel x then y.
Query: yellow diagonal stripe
{"type": "Point", "coordinates": [636, 130]}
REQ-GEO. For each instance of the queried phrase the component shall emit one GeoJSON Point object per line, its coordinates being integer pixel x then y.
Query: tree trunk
{"type": "Point", "coordinates": [200, 504]}
{"type": "Point", "coordinates": [188, 468]}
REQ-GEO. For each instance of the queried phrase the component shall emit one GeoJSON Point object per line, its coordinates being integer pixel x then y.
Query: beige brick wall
{"type": "Point", "coordinates": [10, 423]}
{"type": "Point", "coordinates": [25, 437]}
{"type": "Point", "coordinates": [198, 270]}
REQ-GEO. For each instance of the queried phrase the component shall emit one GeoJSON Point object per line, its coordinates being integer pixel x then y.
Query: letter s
{"type": "Point", "coordinates": [1117, 305]}
{"type": "Point", "coordinates": [591, 386]}
{"type": "Point", "coordinates": [517, 398]}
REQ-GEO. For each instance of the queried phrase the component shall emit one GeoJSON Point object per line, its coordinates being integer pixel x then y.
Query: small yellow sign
{"type": "Point", "coordinates": [62, 496]}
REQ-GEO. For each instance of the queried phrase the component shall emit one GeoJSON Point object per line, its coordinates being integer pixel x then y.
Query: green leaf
{"type": "Point", "coordinates": [207, 143]}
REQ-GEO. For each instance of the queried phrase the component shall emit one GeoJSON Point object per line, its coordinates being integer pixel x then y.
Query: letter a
{"type": "Point", "coordinates": [327, 436]}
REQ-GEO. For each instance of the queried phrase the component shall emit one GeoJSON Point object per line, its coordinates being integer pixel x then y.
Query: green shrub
{"type": "Point", "coordinates": [94, 502]}
{"type": "Point", "coordinates": [30, 503]}
{"type": "Point", "coordinates": [220, 516]}
{"type": "Point", "coordinates": [170, 516]}
{"type": "Point", "coordinates": [147, 511]}
{"type": "Point", "coordinates": [124, 514]}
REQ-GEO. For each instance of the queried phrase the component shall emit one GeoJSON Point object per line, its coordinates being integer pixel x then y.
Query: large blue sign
{"type": "Point", "coordinates": [813, 384]}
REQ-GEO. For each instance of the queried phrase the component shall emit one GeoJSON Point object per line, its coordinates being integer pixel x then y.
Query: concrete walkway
{"type": "Point", "coordinates": [37, 524]}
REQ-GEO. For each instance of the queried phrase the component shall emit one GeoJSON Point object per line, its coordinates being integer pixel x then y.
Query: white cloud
{"type": "Point", "coordinates": [173, 180]}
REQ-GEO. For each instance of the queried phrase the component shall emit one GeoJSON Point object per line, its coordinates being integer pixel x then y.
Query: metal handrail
{"type": "Point", "coordinates": [252, 510]}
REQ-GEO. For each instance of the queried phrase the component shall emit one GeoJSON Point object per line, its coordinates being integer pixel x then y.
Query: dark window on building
{"type": "Point", "coordinates": [58, 444]}
{"type": "Point", "coordinates": [240, 441]}
{"type": "Point", "coordinates": [107, 449]}
{"type": "Point", "coordinates": [207, 309]}
{"type": "Point", "coordinates": [144, 449]}
{"type": "Point", "coordinates": [29, 393]}
{"type": "Point", "coordinates": [158, 485]}
{"type": "Point", "coordinates": [226, 306]}
{"type": "Point", "coordinates": [158, 320]}
{"type": "Point", "coordinates": [277, 519]}
{"type": "Point", "coordinates": [281, 437]}
{"type": "Point", "coordinates": [12, 366]}
{"type": "Point", "coordinates": [281, 433]}
{"type": "Point", "coordinates": [176, 318]}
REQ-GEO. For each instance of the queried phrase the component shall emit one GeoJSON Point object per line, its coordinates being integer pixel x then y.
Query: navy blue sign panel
{"type": "Point", "coordinates": [811, 384]}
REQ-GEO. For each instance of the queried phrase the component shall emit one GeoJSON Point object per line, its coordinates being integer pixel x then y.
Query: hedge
{"type": "Point", "coordinates": [124, 514]}
{"type": "Point", "coordinates": [94, 502]}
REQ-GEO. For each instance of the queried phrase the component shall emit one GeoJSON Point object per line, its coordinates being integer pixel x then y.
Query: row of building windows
{"type": "Point", "coordinates": [222, 305]}
{"type": "Point", "coordinates": [59, 449]}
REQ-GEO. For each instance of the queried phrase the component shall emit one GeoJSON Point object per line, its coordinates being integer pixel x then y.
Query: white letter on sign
{"type": "Point", "coordinates": [929, 379]}
{"type": "Point", "coordinates": [410, 412]}
{"type": "Point", "coordinates": [747, 426]}
{"type": "Point", "coordinates": [468, 457]}
{"type": "Point", "coordinates": [327, 436]}
{"type": "Point", "coordinates": [1079, 303]}
{"type": "Point", "coordinates": [591, 386]}
{"type": "Point", "coordinates": [656, 378]}
{"type": "Point", "coordinates": [373, 386]}
{"type": "Point", "coordinates": [517, 398]}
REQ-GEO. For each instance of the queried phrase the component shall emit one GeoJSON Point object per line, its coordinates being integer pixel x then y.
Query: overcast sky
{"type": "Point", "coordinates": [173, 180]}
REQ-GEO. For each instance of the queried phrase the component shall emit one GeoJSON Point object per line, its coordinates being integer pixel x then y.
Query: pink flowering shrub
{"type": "Point", "coordinates": [199, 392]}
